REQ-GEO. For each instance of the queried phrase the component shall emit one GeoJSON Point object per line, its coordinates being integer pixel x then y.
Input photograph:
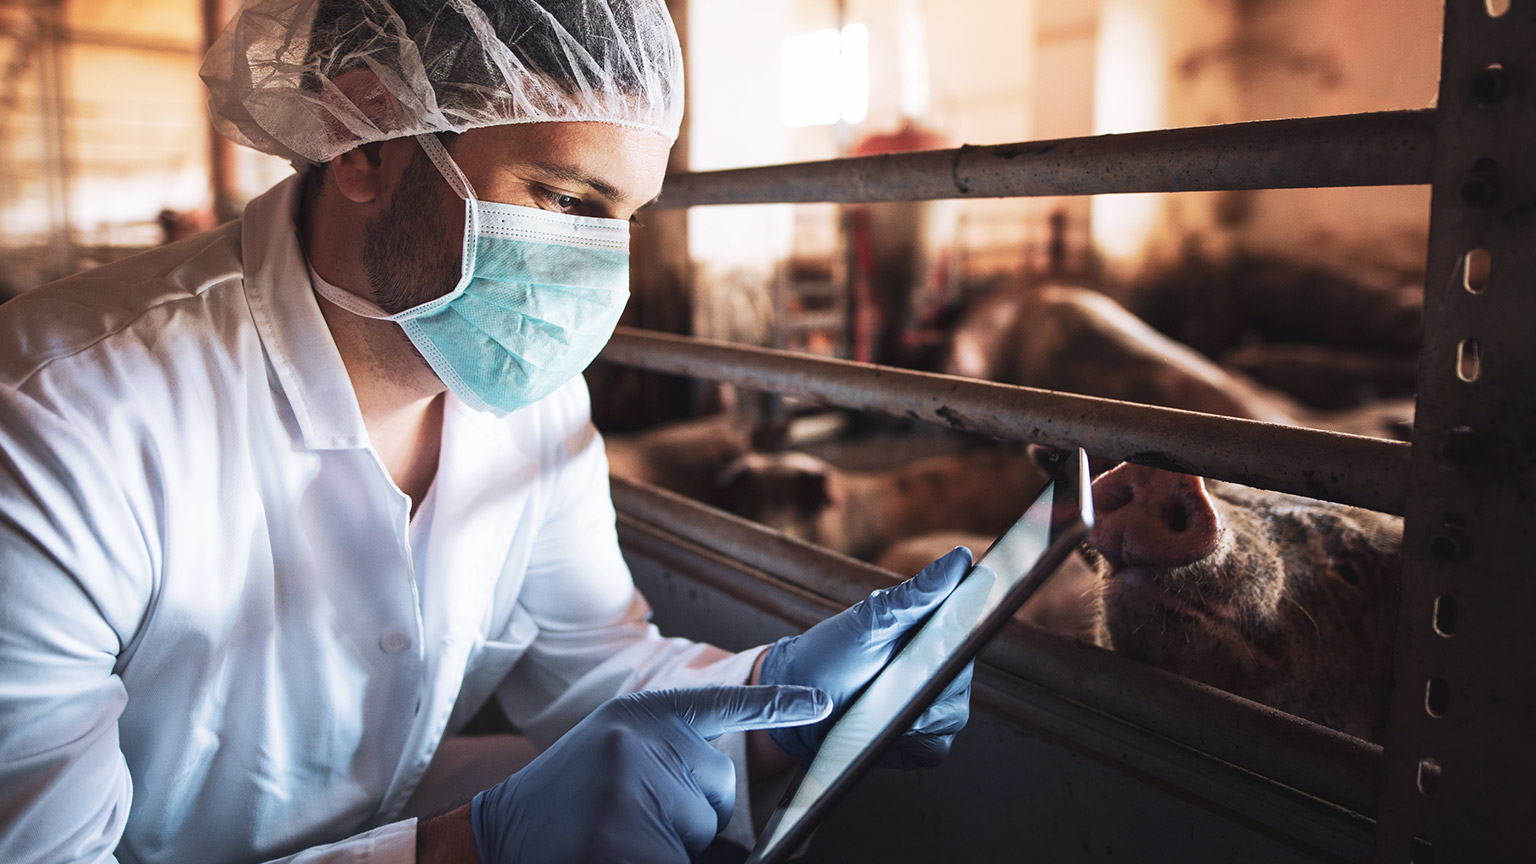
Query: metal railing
{"type": "Point", "coordinates": [1454, 781]}
{"type": "Point", "coordinates": [1331, 765]}
{"type": "Point", "coordinates": [1353, 469]}
{"type": "Point", "coordinates": [1382, 149]}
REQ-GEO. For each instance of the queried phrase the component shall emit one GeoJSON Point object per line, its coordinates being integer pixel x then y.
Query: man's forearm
{"type": "Point", "coordinates": [446, 839]}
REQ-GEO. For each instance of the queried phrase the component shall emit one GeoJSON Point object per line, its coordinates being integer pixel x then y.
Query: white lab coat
{"type": "Point", "coordinates": [222, 636]}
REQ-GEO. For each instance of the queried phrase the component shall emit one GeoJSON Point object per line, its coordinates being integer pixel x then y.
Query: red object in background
{"type": "Point", "coordinates": [908, 138]}
{"type": "Point", "coordinates": [883, 280]}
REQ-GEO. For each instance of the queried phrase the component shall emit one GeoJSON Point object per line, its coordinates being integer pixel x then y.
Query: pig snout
{"type": "Point", "coordinates": [1148, 517]}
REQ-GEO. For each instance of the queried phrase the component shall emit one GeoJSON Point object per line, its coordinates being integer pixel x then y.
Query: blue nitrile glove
{"type": "Point", "coordinates": [841, 654]}
{"type": "Point", "coordinates": [634, 781]}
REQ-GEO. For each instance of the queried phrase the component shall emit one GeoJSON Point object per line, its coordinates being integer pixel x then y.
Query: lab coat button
{"type": "Point", "coordinates": [394, 641]}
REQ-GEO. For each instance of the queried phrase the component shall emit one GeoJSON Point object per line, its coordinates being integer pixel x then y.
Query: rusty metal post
{"type": "Point", "coordinates": [223, 185]}
{"type": "Point", "coordinates": [661, 298]}
{"type": "Point", "coordinates": [53, 100]}
{"type": "Point", "coordinates": [1459, 773]}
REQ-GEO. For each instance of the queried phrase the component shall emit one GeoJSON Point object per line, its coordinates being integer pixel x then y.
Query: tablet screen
{"type": "Point", "coordinates": [1020, 554]}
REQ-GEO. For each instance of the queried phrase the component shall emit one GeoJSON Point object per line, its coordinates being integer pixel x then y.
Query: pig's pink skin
{"type": "Point", "coordinates": [1080, 341]}
{"type": "Point", "coordinates": [1151, 517]}
{"type": "Point", "coordinates": [1289, 601]}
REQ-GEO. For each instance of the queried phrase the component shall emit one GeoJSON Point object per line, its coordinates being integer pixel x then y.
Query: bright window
{"type": "Point", "coordinates": [824, 77]}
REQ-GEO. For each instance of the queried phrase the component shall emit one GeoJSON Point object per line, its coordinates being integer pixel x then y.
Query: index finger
{"type": "Point", "coordinates": [714, 711]}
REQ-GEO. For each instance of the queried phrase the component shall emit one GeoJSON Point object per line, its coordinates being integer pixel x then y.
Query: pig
{"type": "Point", "coordinates": [684, 456]}
{"type": "Point", "coordinates": [1325, 376]}
{"type": "Point", "coordinates": [1068, 603]}
{"type": "Point", "coordinates": [1080, 341]}
{"type": "Point", "coordinates": [860, 513]}
{"type": "Point", "coordinates": [1281, 599]}
{"type": "Point", "coordinates": [1285, 600]}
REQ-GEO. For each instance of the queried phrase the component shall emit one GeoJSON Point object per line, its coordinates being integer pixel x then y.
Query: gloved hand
{"type": "Point", "coordinates": [634, 781]}
{"type": "Point", "coordinates": [841, 654]}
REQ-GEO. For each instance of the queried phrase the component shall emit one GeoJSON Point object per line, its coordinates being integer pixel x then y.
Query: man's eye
{"type": "Point", "coordinates": [562, 202]}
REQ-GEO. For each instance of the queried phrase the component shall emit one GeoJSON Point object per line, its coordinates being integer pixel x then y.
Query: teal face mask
{"type": "Point", "coordinates": [538, 298]}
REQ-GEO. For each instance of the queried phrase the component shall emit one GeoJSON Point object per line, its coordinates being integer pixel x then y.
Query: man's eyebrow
{"type": "Point", "coordinates": [572, 174]}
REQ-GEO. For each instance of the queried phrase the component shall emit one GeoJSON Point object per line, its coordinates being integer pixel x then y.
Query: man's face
{"type": "Point", "coordinates": [412, 250]}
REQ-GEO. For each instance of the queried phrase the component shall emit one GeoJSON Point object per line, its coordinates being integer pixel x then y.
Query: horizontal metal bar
{"type": "Point", "coordinates": [1388, 148]}
{"type": "Point", "coordinates": [1301, 755]}
{"type": "Point", "coordinates": [1317, 829]}
{"type": "Point", "coordinates": [1351, 469]}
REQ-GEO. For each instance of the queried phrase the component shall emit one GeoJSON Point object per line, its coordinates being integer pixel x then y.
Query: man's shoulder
{"type": "Point", "coordinates": [70, 316]}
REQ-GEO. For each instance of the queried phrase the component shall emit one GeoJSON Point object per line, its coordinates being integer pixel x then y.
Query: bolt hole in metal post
{"type": "Point", "coordinates": [1429, 776]}
{"type": "Point", "coordinates": [1490, 86]}
{"type": "Point", "coordinates": [1450, 543]}
{"type": "Point", "coordinates": [1437, 697]}
{"type": "Point", "coordinates": [1479, 189]}
{"type": "Point", "coordinates": [1469, 360]}
{"type": "Point", "coordinates": [1474, 270]}
{"type": "Point", "coordinates": [1445, 615]}
{"type": "Point", "coordinates": [1459, 448]}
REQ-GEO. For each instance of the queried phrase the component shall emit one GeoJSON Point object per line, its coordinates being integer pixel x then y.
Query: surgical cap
{"type": "Point", "coordinates": [278, 76]}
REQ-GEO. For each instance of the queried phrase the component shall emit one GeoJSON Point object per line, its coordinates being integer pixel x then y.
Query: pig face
{"type": "Point", "coordinates": [789, 492]}
{"type": "Point", "coordinates": [1281, 599]}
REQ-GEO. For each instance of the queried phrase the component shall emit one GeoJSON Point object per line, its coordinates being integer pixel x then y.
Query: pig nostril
{"type": "Point", "coordinates": [1178, 518]}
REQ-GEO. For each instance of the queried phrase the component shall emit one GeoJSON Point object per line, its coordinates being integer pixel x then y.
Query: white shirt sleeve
{"type": "Point", "coordinates": [72, 591]}
{"type": "Point", "coordinates": [595, 640]}
{"type": "Point", "coordinates": [77, 558]}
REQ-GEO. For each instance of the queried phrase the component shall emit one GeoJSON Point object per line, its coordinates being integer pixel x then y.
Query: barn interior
{"type": "Point", "coordinates": [1226, 207]}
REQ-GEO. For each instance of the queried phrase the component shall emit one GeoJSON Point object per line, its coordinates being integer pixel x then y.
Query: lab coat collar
{"type": "Point", "coordinates": [287, 315]}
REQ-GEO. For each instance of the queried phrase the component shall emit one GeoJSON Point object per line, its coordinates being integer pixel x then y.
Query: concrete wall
{"type": "Point", "coordinates": [1226, 61]}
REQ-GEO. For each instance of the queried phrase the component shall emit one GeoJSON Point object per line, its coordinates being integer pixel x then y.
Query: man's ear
{"type": "Point", "coordinates": [356, 104]}
{"type": "Point", "coordinates": [357, 173]}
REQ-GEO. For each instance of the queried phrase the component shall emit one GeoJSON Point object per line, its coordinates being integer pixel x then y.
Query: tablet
{"type": "Point", "coordinates": [1018, 563]}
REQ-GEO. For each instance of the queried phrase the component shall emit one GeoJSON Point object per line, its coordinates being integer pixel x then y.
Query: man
{"type": "Point", "coordinates": [283, 504]}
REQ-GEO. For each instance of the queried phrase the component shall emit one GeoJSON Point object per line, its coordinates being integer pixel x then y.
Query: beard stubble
{"type": "Point", "coordinates": [406, 257]}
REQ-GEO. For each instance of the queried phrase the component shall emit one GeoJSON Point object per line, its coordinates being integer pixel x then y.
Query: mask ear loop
{"type": "Point", "coordinates": [461, 186]}
{"type": "Point", "coordinates": [446, 166]}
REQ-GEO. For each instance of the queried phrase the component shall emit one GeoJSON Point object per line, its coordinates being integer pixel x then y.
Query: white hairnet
{"type": "Point", "coordinates": [290, 77]}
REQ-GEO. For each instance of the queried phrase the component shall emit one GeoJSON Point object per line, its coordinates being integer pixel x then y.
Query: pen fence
{"type": "Point", "coordinates": [1455, 779]}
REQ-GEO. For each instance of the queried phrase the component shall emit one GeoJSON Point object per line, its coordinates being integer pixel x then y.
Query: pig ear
{"type": "Point", "coordinates": [733, 474]}
{"type": "Point", "coordinates": [771, 436]}
{"type": "Point", "coordinates": [813, 492]}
